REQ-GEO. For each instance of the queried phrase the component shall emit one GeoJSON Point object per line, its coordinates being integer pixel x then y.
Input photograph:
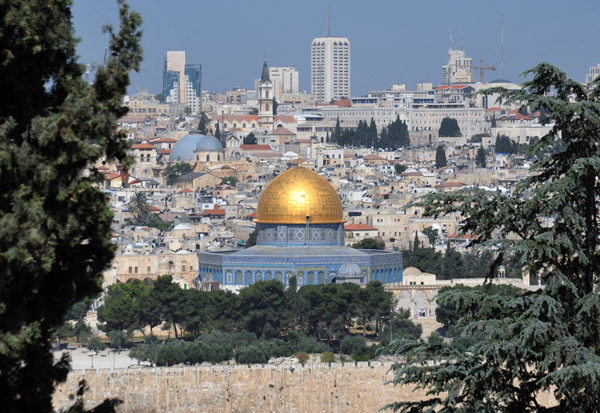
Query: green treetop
{"type": "Point", "coordinates": [440, 157]}
{"type": "Point", "coordinates": [56, 224]}
{"type": "Point", "coordinates": [449, 128]}
{"type": "Point", "coordinates": [531, 342]}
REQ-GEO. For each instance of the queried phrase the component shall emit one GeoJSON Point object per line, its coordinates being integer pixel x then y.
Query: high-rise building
{"type": "Point", "coordinates": [182, 82]}
{"type": "Point", "coordinates": [458, 69]}
{"type": "Point", "coordinates": [285, 80]}
{"type": "Point", "coordinates": [593, 74]}
{"type": "Point", "coordinates": [330, 68]}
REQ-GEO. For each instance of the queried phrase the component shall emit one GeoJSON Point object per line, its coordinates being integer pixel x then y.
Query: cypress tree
{"type": "Point", "coordinates": [440, 157]}
{"type": "Point", "coordinates": [56, 224]}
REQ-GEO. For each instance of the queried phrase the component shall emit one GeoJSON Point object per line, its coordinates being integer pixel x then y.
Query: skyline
{"type": "Point", "coordinates": [231, 46]}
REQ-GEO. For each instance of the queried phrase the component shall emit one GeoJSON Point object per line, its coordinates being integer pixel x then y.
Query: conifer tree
{"type": "Point", "coordinates": [55, 235]}
{"type": "Point", "coordinates": [481, 162]}
{"type": "Point", "coordinates": [532, 342]}
{"type": "Point", "coordinates": [440, 157]}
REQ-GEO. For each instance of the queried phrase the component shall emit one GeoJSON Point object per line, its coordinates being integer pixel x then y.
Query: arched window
{"type": "Point", "coordinates": [267, 107]}
{"type": "Point", "coordinates": [207, 158]}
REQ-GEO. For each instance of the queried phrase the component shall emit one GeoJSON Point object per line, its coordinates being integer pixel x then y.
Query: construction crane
{"type": "Point", "coordinates": [482, 68]}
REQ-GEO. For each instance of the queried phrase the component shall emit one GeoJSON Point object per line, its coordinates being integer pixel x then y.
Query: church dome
{"type": "Point", "coordinates": [296, 194]}
{"type": "Point", "coordinates": [183, 150]}
{"type": "Point", "coordinates": [208, 143]}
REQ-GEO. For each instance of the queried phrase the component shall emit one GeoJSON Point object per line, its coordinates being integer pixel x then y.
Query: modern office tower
{"type": "Point", "coordinates": [182, 82]}
{"type": "Point", "coordinates": [593, 74]}
{"type": "Point", "coordinates": [458, 69]}
{"type": "Point", "coordinates": [330, 68]}
{"type": "Point", "coordinates": [285, 80]}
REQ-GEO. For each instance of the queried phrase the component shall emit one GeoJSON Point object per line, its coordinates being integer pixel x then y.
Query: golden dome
{"type": "Point", "coordinates": [296, 194]}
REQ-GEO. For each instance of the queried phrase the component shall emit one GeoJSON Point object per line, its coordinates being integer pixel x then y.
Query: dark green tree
{"type": "Point", "coordinates": [250, 139]}
{"type": "Point", "coordinates": [374, 303]}
{"type": "Point", "coordinates": [542, 341]}
{"type": "Point", "coordinates": [337, 131]}
{"type": "Point", "coordinates": [452, 264]}
{"type": "Point", "coordinates": [493, 121]}
{"type": "Point", "coordinates": [369, 244]}
{"type": "Point", "coordinates": [175, 170]}
{"type": "Point", "coordinates": [218, 132]}
{"type": "Point", "coordinates": [251, 239]}
{"type": "Point", "coordinates": [449, 128]}
{"type": "Point", "coordinates": [432, 235]}
{"type": "Point", "coordinates": [481, 162]}
{"type": "Point", "coordinates": [202, 124]}
{"type": "Point", "coordinates": [229, 180]}
{"type": "Point", "coordinates": [440, 157]}
{"type": "Point", "coordinates": [400, 168]}
{"type": "Point", "coordinates": [505, 145]}
{"type": "Point", "coordinates": [56, 223]}
{"type": "Point", "coordinates": [371, 135]}
{"type": "Point", "coordinates": [138, 208]}
{"type": "Point", "coordinates": [264, 308]}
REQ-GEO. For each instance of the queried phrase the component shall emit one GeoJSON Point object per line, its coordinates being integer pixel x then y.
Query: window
{"type": "Point", "coordinates": [136, 270]}
{"type": "Point", "coordinates": [149, 269]}
{"type": "Point", "coordinates": [183, 268]}
{"type": "Point", "coordinates": [130, 270]}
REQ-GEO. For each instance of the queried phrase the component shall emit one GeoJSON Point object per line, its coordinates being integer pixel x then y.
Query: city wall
{"type": "Point", "coordinates": [313, 388]}
{"type": "Point", "coordinates": [318, 388]}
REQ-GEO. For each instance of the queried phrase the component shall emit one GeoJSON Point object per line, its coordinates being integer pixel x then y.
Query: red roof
{"type": "Point", "coordinates": [112, 176]}
{"type": "Point", "coordinates": [163, 140]}
{"type": "Point", "coordinates": [252, 215]}
{"type": "Point", "coordinates": [451, 185]}
{"type": "Point", "coordinates": [344, 103]}
{"type": "Point", "coordinates": [164, 151]}
{"type": "Point", "coordinates": [280, 130]}
{"type": "Point", "coordinates": [372, 157]}
{"type": "Point", "coordinates": [495, 109]}
{"type": "Point", "coordinates": [359, 227]}
{"type": "Point", "coordinates": [256, 147]}
{"type": "Point", "coordinates": [284, 119]}
{"type": "Point", "coordinates": [186, 191]}
{"type": "Point", "coordinates": [218, 212]}
{"type": "Point", "coordinates": [144, 145]}
{"type": "Point", "coordinates": [153, 208]}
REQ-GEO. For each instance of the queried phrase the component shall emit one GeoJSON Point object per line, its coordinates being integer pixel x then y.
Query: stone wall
{"type": "Point", "coordinates": [315, 388]}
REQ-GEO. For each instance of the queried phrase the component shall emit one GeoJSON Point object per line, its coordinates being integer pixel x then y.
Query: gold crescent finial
{"type": "Point", "coordinates": [299, 159]}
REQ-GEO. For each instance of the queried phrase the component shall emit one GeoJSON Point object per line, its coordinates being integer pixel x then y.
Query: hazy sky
{"type": "Point", "coordinates": [392, 41]}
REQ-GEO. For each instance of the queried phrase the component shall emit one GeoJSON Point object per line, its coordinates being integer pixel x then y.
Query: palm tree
{"type": "Point", "coordinates": [139, 208]}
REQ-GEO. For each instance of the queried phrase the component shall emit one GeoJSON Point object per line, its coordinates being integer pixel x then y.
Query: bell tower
{"type": "Point", "coordinates": [265, 100]}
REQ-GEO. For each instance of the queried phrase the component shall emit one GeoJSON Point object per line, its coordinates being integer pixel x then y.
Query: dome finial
{"type": "Point", "coordinates": [299, 159]}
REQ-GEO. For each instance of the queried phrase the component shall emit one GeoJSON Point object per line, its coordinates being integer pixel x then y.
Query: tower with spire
{"type": "Point", "coordinates": [265, 100]}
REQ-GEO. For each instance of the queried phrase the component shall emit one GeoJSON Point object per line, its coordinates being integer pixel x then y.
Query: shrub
{"type": "Point", "coordinates": [354, 346]}
{"type": "Point", "coordinates": [308, 344]}
{"type": "Point", "coordinates": [327, 357]}
{"type": "Point", "coordinates": [302, 357]}
{"type": "Point", "coordinates": [254, 353]}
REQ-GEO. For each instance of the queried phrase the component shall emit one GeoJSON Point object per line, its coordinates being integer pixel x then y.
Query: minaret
{"type": "Point", "coordinates": [265, 100]}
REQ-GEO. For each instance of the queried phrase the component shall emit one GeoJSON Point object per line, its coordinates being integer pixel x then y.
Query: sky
{"type": "Point", "coordinates": [392, 41]}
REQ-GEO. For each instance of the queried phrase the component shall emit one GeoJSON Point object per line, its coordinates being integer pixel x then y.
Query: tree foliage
{"type": "Point", "coordinates": [449, 128]}
{"type": "Point", "coordinates": [505, 145]}
{"type": "Point", "coordinates": [542, 341]}
{"type": "Point", "coordinates": [480, 160]}
{"type": "Point", "coordinates": [369, 244]}
{"type": "Point", "coordinates": [176, 170]}
{"type": "Point", "coordinates": [55, 239]}
{"type": "Point", "coordinates": [250, 139]}
{"type": "Point", "coordinates": [440, 157]}
{"type": "Point", "coordinates": [202, 123]}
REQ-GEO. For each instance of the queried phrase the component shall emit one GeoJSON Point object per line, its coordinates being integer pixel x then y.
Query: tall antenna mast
{"type": "Point", "coordinates": [450, 37]}
{"type": "Point", "coordinates": [502, 47]}
{"type": "Point", "coordinates": [329, 19]}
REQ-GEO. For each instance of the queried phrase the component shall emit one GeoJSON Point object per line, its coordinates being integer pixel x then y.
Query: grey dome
{"type": "Point", "coordinates": [349, 271]}
{"type": "Point", "coordinates": [208, 143]}
{"type": "Point", "coordinates": [183, 150]}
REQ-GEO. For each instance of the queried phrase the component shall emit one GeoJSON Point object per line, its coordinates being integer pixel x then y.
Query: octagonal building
{"type": "Point", "coordinates": [300, 231]}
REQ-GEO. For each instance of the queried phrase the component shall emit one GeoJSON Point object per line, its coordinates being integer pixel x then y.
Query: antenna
{"type": "Point", "coordinates": [450, 37]}
{"type": "Point", "coordinates": [461, 44]}
{"type": "Point", "coordinates": [502, 46]}
{"type": "Point", "coordinates": [329, 19]}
